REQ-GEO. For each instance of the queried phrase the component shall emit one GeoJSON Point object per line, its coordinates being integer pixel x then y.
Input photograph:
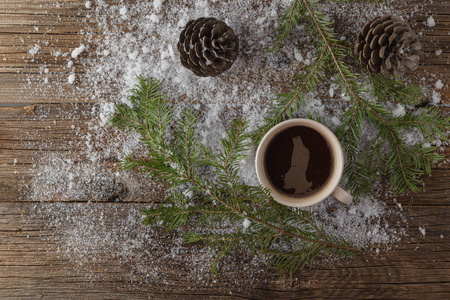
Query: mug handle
{"type": "Point", "coordinates": [342, 195]}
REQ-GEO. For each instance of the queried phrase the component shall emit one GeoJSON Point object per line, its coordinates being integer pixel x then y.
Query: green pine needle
{"type": "Point", "coordinates": [388, 154]}
{"type": "Point", "coordinates": [392, 89]}
{"type": "Point", "coordinates": [289, 237]}
{"type": "Point", "coordinates": [179, 161]}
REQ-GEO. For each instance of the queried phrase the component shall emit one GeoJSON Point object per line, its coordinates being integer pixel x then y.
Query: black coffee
{"type": "Point", "coordinates": [298, 161]}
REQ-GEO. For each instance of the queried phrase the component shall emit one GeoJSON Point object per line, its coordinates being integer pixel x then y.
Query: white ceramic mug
{"type": "Point", "coordinates": [331, 185]}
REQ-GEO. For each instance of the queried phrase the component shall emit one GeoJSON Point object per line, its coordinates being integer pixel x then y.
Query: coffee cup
{"type": "Point", "coordinates": [301, 162]}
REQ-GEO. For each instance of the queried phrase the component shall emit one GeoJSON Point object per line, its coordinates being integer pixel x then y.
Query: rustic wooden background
{"type": "Point", "coordinates": [29, 265]}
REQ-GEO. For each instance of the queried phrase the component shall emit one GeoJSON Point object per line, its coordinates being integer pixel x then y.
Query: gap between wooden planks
{"type": "Point", "coordinates": [31, 267]}
{"type": "Point", "coordinates": [59, 26]}
{"type": "Point", "coordinates": [29, 132]}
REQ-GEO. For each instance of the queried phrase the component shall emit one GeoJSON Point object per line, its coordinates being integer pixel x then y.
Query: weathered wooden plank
{"type": "Point", "coordinates": [31, 265]}
{"type": "Point", "coordinates": [28, 133]}
{"type": "Point", "coordinates": [31, 88]}
{"type": "Point", "coordinates": [20, 43]}
{"type": "Point", "coordinates": [61, 34]}
{"type": "Point", "coordinates": [33, 137]}
{"type": "Point", "coordinates": [20, 124]}
{"type": "Point", "coordinates": [55, 27]}
{"type": "Point", "coordinates": [40, 6]}
{"type": "Point", "coordinates": [47, 22]}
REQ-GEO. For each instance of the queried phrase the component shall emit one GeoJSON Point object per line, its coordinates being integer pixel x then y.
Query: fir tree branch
{"type": "Point", "coordinates": [405, 164]}
{"type": "Point", "coordinates": [392, 89]}
{"type": "Point", "coordinates": [177, 216]}
{"type": "Point", "coordinates": [176, 161]}
{"type": "Point", "coordinates": [428, 121]}
{"type": "Point", "coordinates": [214, 238]}
{"type": "Point", "coordinates": [289, 20]}
{"type": "Point", "coordinates": [373, 157]}
{"type": "Point", "coordinates": [284, 102]}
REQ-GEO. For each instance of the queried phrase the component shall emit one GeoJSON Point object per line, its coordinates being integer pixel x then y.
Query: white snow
{"type": "Point", "coordinates": [246, 224]}
{"type": "Point", "coordinates": [123, 11]}
{"type": "Point", "coordinates": [88, 4]}
{"type": "Point", "coordinates": [335, 120]}
{"type": "Point", "coordinates": [133, 55]}
{"type": "Point", "coordinates": [260, 21]}
{"type": "Point", "coordinates": [298, 56]}
{"type": "Point", "coordinates": [430, 22]}
{"type": "Point", "coordinates": [362, 223]}
{"type": "Point", "coordinates": [157, 4]}
{"type": "Point", "coordinates": [331, 91]}
{"type": "Point", "coordinates": [77, 51]}
{"type": "Point", "coordinates": [155, 19]}
{"type": "Point", "coordinates": [438, 52]}
{"type": "Point", "coordinates": [91, 236]}
{"type": "Point", "coordinates": [106, 110]}
{"type": "Point", "coordinates": [71, 78]}
{"type": "Point", "coordinates": [148, 49]}
{"type": "Point", "coordinates": [308, 60]}
{"type": "Point", "coordinates": [422, 230]}
{"type": "Point", "coordinates": [439, 85]}
{"type": "Point", "coordinates": [35, 49]}
{"type": "Point", "coordinates": [435, 97]}
{"type": "Point", "coordinates": [399, 111]}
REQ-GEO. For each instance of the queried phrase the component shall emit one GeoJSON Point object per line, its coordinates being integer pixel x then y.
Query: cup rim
{"type": "Point", "coordinates": [337, 154]}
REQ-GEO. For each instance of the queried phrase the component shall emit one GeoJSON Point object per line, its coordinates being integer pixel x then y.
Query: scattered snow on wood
{"type": "Point", "coordinates": [399, 111]}
{"type": "Point", "coordinates": [92, 235]}
{"type": "Point", "coordinates": [439, 85]}
{"type": "Point", "coordinates": [35, 49]}
{"type": "Point", "coordinates": [364, 223]}
{"type": "Point", "coordinates": [435, 97]}
{"type": "Point", "coordinates": [422, 230]}
{"type": "Point", "coordinates": [77, 51]}
{"type": "Point", "coordinates": [246, 224]}
{"type": "Point", "coordinates": [141, 38]}
{"type": "Point", "coordinates": [71, 78]}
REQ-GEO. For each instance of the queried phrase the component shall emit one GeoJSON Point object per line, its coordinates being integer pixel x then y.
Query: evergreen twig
{"type": "Point", "coordinates": [177, 160]}
{"type": "Point", "coordinates": [404, 164]}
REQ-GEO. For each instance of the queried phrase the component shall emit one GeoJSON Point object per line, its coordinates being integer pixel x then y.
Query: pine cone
{"type": "Point", "coordinates": [387, 45]}
{"type": "Point", "coordinates": [208, 47]}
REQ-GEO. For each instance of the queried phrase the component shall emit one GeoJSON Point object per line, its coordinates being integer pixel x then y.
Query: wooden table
{"type": "Point", "coordinates": [31, 265]}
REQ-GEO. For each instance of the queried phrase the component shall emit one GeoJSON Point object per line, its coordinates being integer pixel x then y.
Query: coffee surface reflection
{"type": "Point", "coordinates": [298, 161]}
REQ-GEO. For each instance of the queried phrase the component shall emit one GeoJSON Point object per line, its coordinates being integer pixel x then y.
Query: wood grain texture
{"type": "Point", "coordinates": [30, 132]}
{"type": "Point", "coordinates": [51, 120]}
{"type": "Point", "coordinates": [31, 267]}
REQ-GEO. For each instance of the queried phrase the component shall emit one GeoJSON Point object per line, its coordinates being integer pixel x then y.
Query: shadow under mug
{"type": "Point", "coordinates": [330, 187]}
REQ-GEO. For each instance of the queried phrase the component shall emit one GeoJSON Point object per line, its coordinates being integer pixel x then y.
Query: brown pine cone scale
{"type": "Point", "coordinates": [208, 47]}
{"type": "Point", "coordinates": [387, 45]}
